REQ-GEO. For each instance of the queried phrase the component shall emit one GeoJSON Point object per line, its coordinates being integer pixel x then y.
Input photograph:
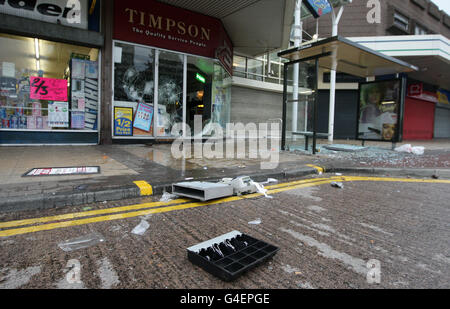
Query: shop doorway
{"type": "Point", "coordinates": [200, 73]}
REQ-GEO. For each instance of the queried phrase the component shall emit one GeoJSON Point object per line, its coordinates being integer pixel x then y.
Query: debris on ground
{"type": "Point", "coordinates": [241, 185]}
{"type": "Point", "coordinates": [418, 150]}
{"type": "Point", "coordinates": [260, 189]}
{"type": "Point", "coordinates": [87, 208]}
{"type": "Point", "coordinates": [338, 174]}
{"type": "Point", "coordinates": [202, 190]}
{"type": "Point", "coordinates": [269, 180]}
{"type": "Point", "coordinates": [81, 242]}
{"type": "Point", "coordinates": [345, 148]}
{"type": "Point", "coordinates": [141, 228]}
{"type": "Point", "coordinates": [339, 185]}
{"type": "Point", "coordinates": [167, 197]}
{"type": "Point", "coordinates": [215, 255]}
{"type": "Point", "coordinates": [255, 222]}
{"type": "Point", "coordinates": [206, 191]}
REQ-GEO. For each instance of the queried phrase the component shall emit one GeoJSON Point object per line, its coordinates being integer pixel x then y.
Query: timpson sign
{"type": "Point", "coordinates": [160, 25]}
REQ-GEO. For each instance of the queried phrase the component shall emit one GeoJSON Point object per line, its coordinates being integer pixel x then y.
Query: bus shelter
{"type": "Point", "coordinates": [300, 94]}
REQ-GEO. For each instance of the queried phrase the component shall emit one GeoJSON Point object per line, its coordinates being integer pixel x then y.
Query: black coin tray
{"type": "Point", "coordinates": [230, 255]}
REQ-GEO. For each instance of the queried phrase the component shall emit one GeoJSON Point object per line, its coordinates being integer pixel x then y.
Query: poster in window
{"type": "Point", "coordinates": [379, 110]}
{"type": "Point", "coordinates": [49, 89]}
{"type": "Point", "coordinates": [91, 69]}
{"type": "Point", "coordinates": [78, 69]}
{"type": "Point", "coordinates": [58, 115]}
{"type": "Point", "coordinates": [77, 120]}
{"type": "Point", "coordinates": [143, 118]}
{"type": "Point", "coordinates": [123, 121]}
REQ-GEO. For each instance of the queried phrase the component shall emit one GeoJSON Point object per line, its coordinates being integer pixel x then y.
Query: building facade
{"type": "Point", "coordinates": [51, 59]}
{"type": "Point", "coordinates": [415, 31]}
{"type": "Point", "coordinates": [86, 72]}
{"type": "Point", "coordinates": [100, 72]}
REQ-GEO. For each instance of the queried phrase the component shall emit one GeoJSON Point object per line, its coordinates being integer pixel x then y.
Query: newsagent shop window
{"type": "Point", "coordinates": [176, 85]}
{"type": "Point", "coordinates": [47, 86]}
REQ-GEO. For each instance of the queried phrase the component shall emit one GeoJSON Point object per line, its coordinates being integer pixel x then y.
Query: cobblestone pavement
{"type": "Point", "coordinates": [326, 236]}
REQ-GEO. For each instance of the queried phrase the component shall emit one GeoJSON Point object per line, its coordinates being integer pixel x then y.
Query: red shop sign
{"type": "Point", "coordinates": [160, 25]}
{"type": "Point", "coordinates": [415, 90]}
{"type": "Point", "coordinates": [48, 89]}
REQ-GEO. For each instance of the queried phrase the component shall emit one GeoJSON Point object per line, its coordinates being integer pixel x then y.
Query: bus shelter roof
{"type": "Point", "coordinates": [348, 57]}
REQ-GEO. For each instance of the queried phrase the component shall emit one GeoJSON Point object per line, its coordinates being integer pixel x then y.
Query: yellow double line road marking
{"type": "Point", "coordinates": [319, 169]}
{"type": "Point", "coordinates": [152, 208]}
{"type": "Point", "coordinates": [117, 209]}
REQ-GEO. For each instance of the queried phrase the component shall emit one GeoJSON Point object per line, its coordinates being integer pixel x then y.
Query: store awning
{"type": "Point", "coordinates": [430, 53]}
{"type": "Point", "coordinates": [254, 26]}
{"type": "Point", "coordinates": [348, 57]}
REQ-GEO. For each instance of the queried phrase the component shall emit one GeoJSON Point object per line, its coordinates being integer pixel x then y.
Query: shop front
{"type": "Point", "coordinates": [49, 81]}
{"type": "Point", "coordinates": [169, 65]}
{"type": "Point", "coordinates": [420, 107]}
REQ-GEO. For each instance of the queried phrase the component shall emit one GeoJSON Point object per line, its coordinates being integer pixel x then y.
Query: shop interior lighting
{"type": "Point", "coordinates": [200, 78]}
{"type": "Point", "coordinates": [37, 52]}
{"type": "Point", "coordinates": [36, 48]}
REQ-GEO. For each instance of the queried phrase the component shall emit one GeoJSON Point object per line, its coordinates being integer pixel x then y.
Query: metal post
{"type": "Point", "coordinates": [156, 94]}
{"type": "Point", "coordinates": [283, 125]}
{"type": "Point", "coordinates": [184, 95]}
{"type": "Point", "coordinates": [298, 36]}
{"type": "Point", "coordinates": [335, 21]}
{"type": "Point", "coordinates": [316, 107]}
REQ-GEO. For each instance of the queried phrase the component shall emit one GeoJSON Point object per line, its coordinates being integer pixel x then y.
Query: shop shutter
{"type": "Point", "coordinates": [418, 120]}
{"type": "Point", "coordinates": [442, 123]}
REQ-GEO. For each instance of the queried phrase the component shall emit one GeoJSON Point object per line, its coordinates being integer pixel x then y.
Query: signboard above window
{"type": "Point", "coordinates": [156, 24]}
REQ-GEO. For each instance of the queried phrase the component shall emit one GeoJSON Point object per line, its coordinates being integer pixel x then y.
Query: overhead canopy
{"type": "Point", "coordinates": [349, 57]}
{"type": "Point", "coordinates": [430, 53]}
{"type": "Point", "coordinates": [254, 26]}
{"type": "Point", "coordinates": [434, 70]}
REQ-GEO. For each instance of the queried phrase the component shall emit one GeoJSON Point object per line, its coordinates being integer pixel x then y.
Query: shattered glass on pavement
{"type": "Point", "coordinates": [383, 157]}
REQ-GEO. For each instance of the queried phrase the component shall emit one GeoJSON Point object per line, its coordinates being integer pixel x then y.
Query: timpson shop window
{"type": "Point", "coordinates": [49, 92]}
{"type": "Point", "coordinates": [169, 66]}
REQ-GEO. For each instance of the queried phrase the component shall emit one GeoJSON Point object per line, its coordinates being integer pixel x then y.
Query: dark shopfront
{"type": "Point", "coordinates": [169, 65]}
{"type": "Point", "coordinates": [50, 59]}
{"type": "Point", "coordinates": [425, 116]}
